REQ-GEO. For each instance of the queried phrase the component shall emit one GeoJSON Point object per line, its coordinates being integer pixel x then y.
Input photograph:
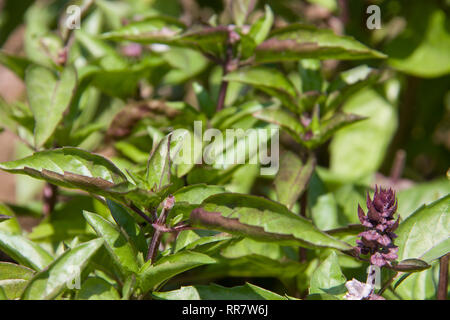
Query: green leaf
{"type": "Point", "coordinates": [75, 168]}
{"type": "Point", "coordinates": [109, 57]}
{"type": "Point", "coordinates": [268, 80]}
{"type": "Point", "coordinates": [24, 251]}
{"type": "Point", "coordinates": [3, 294]}
{"type": "Point", "coordinates": [411, 199]}
{"type": "Point", "coordinates": [4, 218]}
{"type": "Point", "coordinates": [240, 10]}
{"type": "Point", "coordinates": [184, 238]}
{"type": "Point", "coordinates": [425, 234]}
{"type": "Point", "coordinates": [50, 282]}
{"type": "Point", "coordinates": [208, 40]}
{"type": "Point", "coordinates": [169, 266]}
{"type": "Point", "coordinates": [320, 296]}
{"type": "Point", "coordinates": [331, 5]}
{"type": "Point", "coordinates": [65, 222]}
{"type": "Point", "coordinates": [348, 83]}
{"type": "Point", "coordinates": [156, 29]}
{"type": "Point", "coordinates": [246, 46]}
{"type": "Point", "coordinates": [419, 285]}
{"type": "Point", "coordinates": [70, 161]}
{"type": "Point", "coordinates": [411, 265]}
{"type": "Point", "coordinates": [422, 48]}
{"type": "Point", "coordinates": [255, 265]}
{"type": "Point", "coordinates": [246, 246]}
{"type": "Point", "coordinates": [216, 292]}
{"type": "Point", "coordinates": [207, 105]}
{"type": "Point", "coordinates": [260, 219]}
{"type": "Point", "coordinates": [357, 151]}
{"type": "Point", "coordinates": [38, 19]}
{"type": "Point", "coordinates": [120, 249]}
{"type": "Point", "coordinates": [328, 127]}
{"type": "Point", "coordinates": [189, 197]}
{"type": "Point", "coordinates": [292, 178]}
{"type": "Point", "coordinates": [180, 160]}
{"type": "Point", "coordinates": [195, 194]}
{"type": "Point", "coordinates": [158, 166]}
{"type": "Point", "coordinates": [16, 64]}
{"type": "Point", "coordinates": [261, 28]}
{"type": "Point", "coordinates": [206, 244]}
{"type": "Point", "coordinates": [114, 12]}
{"type": "Point", "coordinates": [298, 41]}
{"type": "Point", "coordinates": [128, 287]}
{"type": "Point", "coordinates": [120, 83]}
{"type": "Point", "coordinates": [128, 225]}
{"type": "Point", "coordinates": [328, 278]}
{"type": "Point", "coordinates": [310, 75]}
{"type": "Point", "coordinates": [292, 125]}
{"type": "Point", "coordinates": [49, 97]}
{"type": "Point", "coordinates": [97, 289]}
{"type": "Point", "coordinates": [324, 212]}
{"type": "Point", "coordinates": [186, 63]}
{"type": "Point", "coordinates": [232, 116]}
{"type": "Point", "coordinates": [13, 279]}
{"type": "Point", "coordinates": [130, 151]}
{"type": "Point", "coordinates": [8, 221]}
{"type": "Point", "coordinates": [284, 119]}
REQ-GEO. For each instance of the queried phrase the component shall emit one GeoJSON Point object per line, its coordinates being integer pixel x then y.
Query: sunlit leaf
{"type": "Point", "coordinates": [48, 283]}
{"type": "Point", "coordinates": [169, 266]}
{"type": "Point", "coordinates": [122, 252]}
{"type": "Point", "coordinates": [260, 219]}
{"type": "Point", "coordinates": [216, 292]}
{"type": "Point", "coordinates": [298, 41]}
{"type": "Point", "coordinates": [24, 251]}
{"type": "Point", "coordinates": [49, 97]}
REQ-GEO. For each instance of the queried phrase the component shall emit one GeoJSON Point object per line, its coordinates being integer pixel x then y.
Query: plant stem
{"type": "Point", "coordinates": [225, 68]}
{"type": "Point", "coordinates": [443, 278]}
{"type": "Point", "coordinates": [50, 197]}
{"type": "Point", "coordinates": [177, 228]}
{"type": "Point", "coordinates": [140, 213]}
{"type": "Point", "coordinates": [154, 245]}
{"type": "Point", "coordinates": [398, 165]}
{"type": "Point", "coordinates": [156, 239]}
{"type": "Point", "coordinates": [222, 94]}
{"type": "Point", "coordinates": [387, 284]}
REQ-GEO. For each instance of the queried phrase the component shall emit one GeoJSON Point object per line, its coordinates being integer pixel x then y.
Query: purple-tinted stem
{"type": "Point", "coordinates": [140, 213]}
{"type": "Point", "coordinates": [387, 284]}
{"type": "Point", "coordinates": [222, 94]}
{"type": "Point", "coordinates": [156, 239]}
{"type": "Point", "coordinates": [50, 197]}
{"type": "Point", "coordinates": [154, 244]}
{"type": "Point", "coordinates": [224, 85]}
{"type": "Point", "coordinates": [443, 278]}
{"type": "Point", "coordinates": [177, 228]}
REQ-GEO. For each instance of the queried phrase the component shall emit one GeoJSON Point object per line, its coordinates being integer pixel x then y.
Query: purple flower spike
{"type": "Point", "coordinates": [378, 239]}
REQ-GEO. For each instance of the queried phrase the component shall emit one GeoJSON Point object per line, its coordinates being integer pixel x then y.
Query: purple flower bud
{"type": "Point", "coordinates": [377, 259]}
{"type": "Point", "coordinates": [384, 240]}
{"type": "Point", "coordinates": [378, 239]}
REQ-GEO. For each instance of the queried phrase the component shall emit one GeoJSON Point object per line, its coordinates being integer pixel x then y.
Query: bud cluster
{"type": "Point", "coordinates": [378, 238]}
